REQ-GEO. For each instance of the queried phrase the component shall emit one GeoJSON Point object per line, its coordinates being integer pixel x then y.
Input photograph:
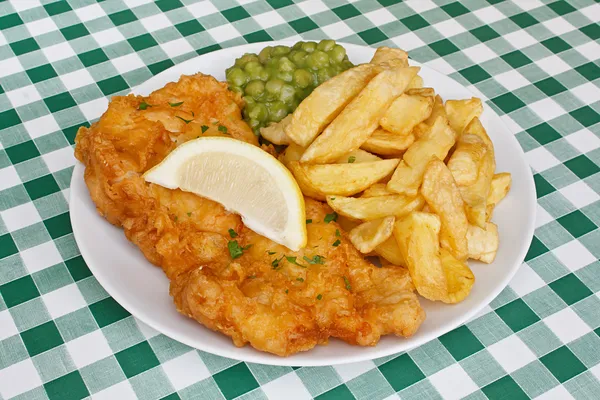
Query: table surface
{"type": "Point", "coordinates": [63, 337]}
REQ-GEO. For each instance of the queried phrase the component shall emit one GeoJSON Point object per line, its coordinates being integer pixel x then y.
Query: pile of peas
{"type": "Point", "coordinates": [276, 80]}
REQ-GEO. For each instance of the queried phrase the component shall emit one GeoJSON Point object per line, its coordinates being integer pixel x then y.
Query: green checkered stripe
{"type": "Point", "coordinates": [63, 337]}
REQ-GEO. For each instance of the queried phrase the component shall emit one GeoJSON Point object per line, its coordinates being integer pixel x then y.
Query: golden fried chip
{"type": "Point", "coordinates": [438, 110]}
{"type": "Point", "coordinates": [274, 133]}
{"type": "Point", "coordinates": [326, 102]}
{"type": "Point", "coordinates": [369, 208]}
{"type": "Point", "coordinates": [436, 142]}
{"type": "Point", "coordinates": [357, 156]}
{"type": "Point", "coordinates": [417, 82]}
{"type": "Point", "coordinates": [425, 92]}
{"type": "Point", "coordinates": [353, 126]}
{"type": "Point", "coordinates": [459, 277]}
{"type": "Point", "coordinates": [461, 112]}
{"type": "Point", "coordinates": [417, 236]}
{"type": "Point", "coordinates": [466, 159]}
{"type": "Point", "coordinates": [343, 179]}
{"type": "Point", "coordinates": [406, 112]}
{"type": "Point", "coordinates": [388, 143]}
{"type": "Point", "coordinates": [443, 197]}
{"type": "Point", "coordinates": [498, 190]}
{"type": "Point", "coordinates": [386, 54]}
{"type": "Point", "coordinates": [378, 189]}
{"type": "Point", "coordinates": [483, 243]}
{"type": "Point", "coordinates": [291, 153]}
{"type": "Point", "coordinates": [390, 252]}
{"type": "Point", "coordinates": [368, 235]}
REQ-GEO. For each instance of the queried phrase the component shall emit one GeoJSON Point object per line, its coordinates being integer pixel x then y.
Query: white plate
{"type": "Point", "coordinates": [143, 289]}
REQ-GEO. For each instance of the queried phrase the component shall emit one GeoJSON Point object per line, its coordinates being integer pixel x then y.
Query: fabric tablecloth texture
{"type": "Point", "coordinates": [63, 337]}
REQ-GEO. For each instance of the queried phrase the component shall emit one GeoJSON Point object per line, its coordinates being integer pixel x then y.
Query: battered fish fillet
{"type": "Point", "coordinates": [276, 300]}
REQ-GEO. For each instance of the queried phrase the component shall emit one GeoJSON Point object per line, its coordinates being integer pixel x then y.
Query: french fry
{"type": "Point", "coordinates": [417, 236]}
{"type": "Point", "coordinates": [291, 153]}
{"type": "Point", "coordinates": [369, 208]}
{"type": "Point", "coordinates": [341, 179]}
{"type": "Point", "coordinates": [443, 197]}
{"type": "Point", "coordinates": [378, 189]}
{"type": "Point", "coordinates": [347, 224]}
{"type": "Point", "coordinates": [425, 92]}
{"type": "Point", "coordinates": [498, 190]}
{"type": "Point", "coordinates": [357, 156]}
{"type": "Point", "coordinates": [483, 243]}
{"type": "Point", "coordinates": [347, 132]}
{"type": "Point", "coordinates": [466, 159]}
{"type": "Point", "coordinates": [459, 277]}
{"type": "Point", "coordinates": [461, 112]}
{"type": "Point", "coordinates": [406, 112]}
{"type": "Point", "coordinates": [434, 143]}
{"type": "Point", "coordinates": [274, 133]}
{"type": "Point", "coordinates": [326, 102]}
{"type": "Point", "coordinates": [368, 235]}
{"type": "Point", "coordinates": [438, 110]}
{"type": "Point", "coordinates": [476, 194]}
{"type": "Point", "coordinates": [417, 82]}
{"type": "Point", "coordinates": [386, 54]}
{"type": "Point", "coordinates": [420, 130]}
{"type": "Point", "coordinates": [388, 143]}
{"type": "Point", "coordinates": [389, 251]}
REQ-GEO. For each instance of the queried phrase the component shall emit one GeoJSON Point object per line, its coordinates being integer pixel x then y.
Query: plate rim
{"type": "Point", "coordinates": [267, 358]}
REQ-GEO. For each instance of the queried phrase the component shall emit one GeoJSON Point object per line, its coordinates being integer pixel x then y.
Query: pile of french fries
{"type": "Point", "coordinates": [411, 176]}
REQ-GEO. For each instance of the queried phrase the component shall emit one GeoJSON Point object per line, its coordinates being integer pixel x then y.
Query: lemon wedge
{"type": "Point", "coordinates": [244, 179]}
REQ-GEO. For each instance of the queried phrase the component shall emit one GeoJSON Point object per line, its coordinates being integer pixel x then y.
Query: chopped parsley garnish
{"type": "Point", "coordinates": [309, 221]}
{"type": "Point", "coordinates": [347, 283]}
{"type": "Point", "coordinates": [176, 104]}
{"type": "Point", "coordinates": [331, 217]}
{"type": "Point", "coordinates": [204, 128]}
{"type": "Point", "coordinates": [143, 105]}
{"type": "Point", "coordinates": [235, 251]}
{"type": "Point", "coordinates": [319, 296]}
{"type": "Point", "coordinates": [275, 263]}
{"type": "Point", "coordinates": [232, 233]}
{"type": "Point", "coordinates": [351, 159]}
{"type": "Point", "coordinates": [187, 121]}
{"type": "Point", "coordinates": [175, 219]}
{"type": "Point", "coordinates": [272, 252]}
{"type": "Point", "coordinates": [336, 243]}
{"type": "Point", "coordinates": [292, 260]}
{"type": "Point", "coordinates": [337, 233]}
{"type": "Point", "coordinates": [286, 291]}
{"type": "Point", "coordinates": [315, 260]}
{"type": "Point", "coordinates": [189, 214]}
{"type": "Point", "coordinates": [333, 198]}
{"type": "Point", "coordinates": [222, 128]}
{"type": "Point", "coordinates": [300, 279]}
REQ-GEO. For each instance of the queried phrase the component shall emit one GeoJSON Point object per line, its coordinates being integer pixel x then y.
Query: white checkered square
{"type": "Point", "coordinates": [25, 95]}
{"type": "Point", "coordinates": [520, 39]}
{"type": "Point", "coordinates": [90, 12]}
{"type": "Point", "coordinates": [9, 177]}
{"type": "Point", "coordinates": [526, 281]}
{"type": "Point", "coordinates": [589, 50]}
{"type": "Point", "coordinates": [121, 391]}
{"type": "Point", "coordinates": [59, 159]}
{"type": "Point", "coordinates": [580, 194]}
{"type": "Point", "coordinates": [156, 22]}
{"type": "Point", "coordinates": [511, 80]}
{"type": "Point", "coordinates": [223, 33]}
{"type": "Point", "coordinates": [511, 353]}
{"type": "Point", "coordinates": [177, 47]}
{"type": "Point", "coordinates": [269, 19]}
{"type": "Point", "coordinates": [574, 255]}
{"type": "Point", "coordinates": [541, 159]}
{"type": "Point", "coordinates": [553, 65]}
{"type": "Point", "coordinates": [558, 26]}
{"type": "Point", "coordinates": [453, 382]}
{"type": "Point", "coordinates": [94, 109]}
{"type": "Point", "coordinates": [480, 53]}
{"type": "Point", "coordinates": [380, 17]}
{"type": "Point", "coordinates": [449, 28]}
{"type": "Point", "coordinates": [88, 349]}
{"type": "Point", "coordinates": [7, 325]}
{"type": "Point", "coordinates": [128, 63]}
{"type": "Point", "coordinates": [312, 7]}
{"type": "Point", "coordinates": [547, 109]}
{"type": "Point", "coordinates": [567, 325]}
{"type": "Point", "coordinates": [20, 216]}
{"type": "Point", "coordinates": [557, 393]}
{"type": "Point", "coordinates": [41, 26]}
{"type": "Point", "coordinates": [41, 257]}
{"type": "Point", "coordinates": [41, 126]}
{"type": "Point", "coordinates": [289, 387]}
{"type": "Point", "coordinates": [489, 14]}
{"type": "Point", "coordinates": [63, 301]}
{"type": "Point", "coordinates": [201, 9]}
{"type": "Point", "coordinates": [542, 217]}
{"type": "Point", "coordinates": [108, 36]}
{"type": "Point", "coordinates": [18, 378]}
{"type": "Point", "coordinates": [421, 5]}
{"type": "Point", "coordinates": [186, 370]}
{"type": "Point", "coordinates": [57, 52]}
{"type": "Point", "coordinates": [584, 140]}
{"type": "Point", "coordinates": [77, 79]}
{"type": "Point", "coordinates": [350, 371]}
{"type": "Point", "coordinates": [588, 93]}
{"type": "Point", "coordinates": [337, 31]}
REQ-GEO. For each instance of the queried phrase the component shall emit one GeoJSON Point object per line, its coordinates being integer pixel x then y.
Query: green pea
{"type": "Point", "coordinates": [337, 54]}
{"type": "Point", "coordinates": [286, 76]}
{"type": "Point", "coordinates": [324, 74]}
{"type": "Point", "coordinates": [265, 54]}
{"type": "Point", "coordinates": [264, 75]}
{"type": "Point", "coordinates": [309, 47]}
{"type": "Point", "coordinates": [299, 58]}
{"type": "Point", "coordinates": [252, 66]}
{"type": "Point", "coordinates": [326, 45]}
{"type": "Point", "coordinates": [272, 62]}
{"type": "Point", "coordinates": [255, 88]}
{"type": "Point", "coordinates": [286, 65]}
{"type": "Point", "coordinates": [274, 86]}
{"type": "Point", "coordinates": [346, 64]}
{"type": "Point", "coordinates": [249, 100]}
{"type": "Point", "coordinates": [281, 50]}
{"type": "Point", "coordinates": [241, 62]}
{"type": "Point", "coordinates": [236, 89]}
{"type": "Point", "coordinates": [237, 77]}
{"type": "Point", "coordinates": [318, 59]}
{"type": "Point", "coordinates": [302, 78]}
{"type": "Point", "coordinates": [297, 46]}
{"type": "Point", "coordinates": [277, 111]}
{"type": "Point", "coordinates": [254, 124]}
{"type": "Point", "coordinates": [287, 94]}
{"type": "Point", "coordinates": [259, 112]}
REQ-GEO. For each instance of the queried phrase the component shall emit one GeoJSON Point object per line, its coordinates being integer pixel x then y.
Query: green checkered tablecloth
{"type": "Point", "coordinates": [63, 337]}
